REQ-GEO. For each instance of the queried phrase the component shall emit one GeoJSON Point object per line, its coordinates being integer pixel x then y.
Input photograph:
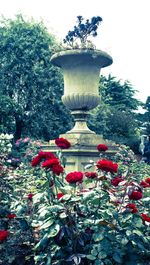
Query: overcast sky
{"type": "Point", "coordinates": [124, 32]}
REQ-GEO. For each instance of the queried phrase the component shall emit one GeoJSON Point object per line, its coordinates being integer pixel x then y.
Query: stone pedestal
{"type": "Point", "coordinates": [83, 149]}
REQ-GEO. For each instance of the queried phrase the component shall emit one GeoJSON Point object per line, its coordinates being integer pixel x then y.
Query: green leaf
{"type": "Point", "coordinates": [40, 246]}
{"type": "Point", "coordinates": [91, 257]}
{"type": "Point", "coordinates": [137, 221]}
{"type": "Point", "coordinates": [75, 199]}
{"type": "Point", "coordinates": [24, 225]}
{"type": "Point", "coordinates": [55, 208]}
{"type": "Point", "coordinates": [102, 255]}
{"type": "Point", "coordinates": [88, 195]}
{"type": "Point", "coordinates": [43, 213]}
{"type": "Point", "coordinates": [66, 197]}
{"type": "Point", "coordinates": [63, 215]}
{"type": "Point", "coordinates": [98, 262]}
{"type": "Point", "coordinates": [124, 241]}
{"type": "Point", "coordinates": [66, 189]}
{"type": "Point", "coordinates": [117, 258]}
{"type": "Point", "coordinates": [39, 258]}
{"type": "Point", "coordinates": [11, 259]}
{"type": "Point", "coordinates": [37, 197]}
{"type": "Point", "coordinates": [141, 246]}
{"type": "Point", "coordinates": [126, 217]}
{"type": "Point", "coordinates": [94, 252]}
{"type": "Point", "coordinates": [128, 232]}
{"type": "Point", "coordinates": [53, 231]}
{"type": "Point", "coordinates": [48, 262]}
{"type": "Point", "coordinates": [95, 200]}
{"type": "Point", "coordinates": [138, 232]}
{"type": "Point", "coordinates": [98, 237]}
{"type": "Point", "coordinates": [47, 224]}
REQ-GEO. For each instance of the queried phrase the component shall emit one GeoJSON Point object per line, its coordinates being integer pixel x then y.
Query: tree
{"type": "Point", "coordinates": [31, 88]}
{"type": "Point", "coordinates": [147, 115]}
{"type": "Point", "coordinates": [118, 94]}
{"type": "Point", "coordinates": [115, 117]}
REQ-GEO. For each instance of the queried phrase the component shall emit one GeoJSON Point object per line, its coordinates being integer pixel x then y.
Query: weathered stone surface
{"type": "Point", "coordinates": [83, 149]}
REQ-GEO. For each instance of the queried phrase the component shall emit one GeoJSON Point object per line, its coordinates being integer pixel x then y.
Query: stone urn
{"type": "Point", "coordinates": [81, 71]}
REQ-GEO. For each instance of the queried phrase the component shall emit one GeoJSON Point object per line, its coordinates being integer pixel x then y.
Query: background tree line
{"type": "Point", "coordinates": [31, 89]}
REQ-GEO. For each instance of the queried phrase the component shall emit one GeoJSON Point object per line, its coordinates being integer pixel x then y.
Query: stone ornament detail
{"type": "Point", "coordinates": [81, 101]}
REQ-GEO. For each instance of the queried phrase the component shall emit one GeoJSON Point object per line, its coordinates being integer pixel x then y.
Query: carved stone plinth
{"type": "Point", "coordinates": [83, 149]}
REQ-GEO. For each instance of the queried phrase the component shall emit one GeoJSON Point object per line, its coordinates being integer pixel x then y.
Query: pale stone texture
{"type": "Point", "coordinates": [83, 149]}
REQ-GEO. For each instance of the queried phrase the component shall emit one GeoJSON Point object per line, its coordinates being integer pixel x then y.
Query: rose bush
{"type": "Point", "coordinates": [99, 217]}
{"type": "Point", "coordinates": [16, 238]}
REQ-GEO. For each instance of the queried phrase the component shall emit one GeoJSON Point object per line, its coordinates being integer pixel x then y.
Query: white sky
{"type": "Point", "coordinates": [124, 32]}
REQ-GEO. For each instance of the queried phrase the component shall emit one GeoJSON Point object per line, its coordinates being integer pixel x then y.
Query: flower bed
{"type": "Point", "coordinates": [99, 216]}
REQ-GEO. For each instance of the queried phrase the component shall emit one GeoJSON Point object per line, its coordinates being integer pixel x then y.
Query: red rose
{"type": "Point", "coordinates": [132, 206]}
{"type": "Point", "coordinates": [147, 180]}
{"type": "Point", "coordinates": [115, 181]}
{"type": "Point", "coordinates": [60, 195]}
{"type": "Point", "coordinates": [46, 155]}
{"type": "Point", "coordinates": [135, 195]}
{"type": "Point", "coordinates": [11, 215]}
{"type": "Point", "coordinates": [91, 175]}
{"type": "Point", "coordinates": [30, 196]}
{"type": "Point", "coordinates": [134, 210]}
{"type": "Point", "coordinates": [62, 143]}
{"type": "Point", "coordinates": [107, 165]}
{"type": "Point", "coordinates": [41, 155]}
{"type": "Point", "coordinates": [144, 184]}
{"type": "Point", "coordinates": [74, 177]}
{"type": "Point", "coordinates": [35, 161]}
{"type": "Point", "coordinates": [3, 234]}
{"type": "Point", "coordinates": [57, 169]}
{"type": "Point", "coordinates": [102, 147]}
{"type": "Point", "coordinates": [50, 162]}
{"type": "Point", "coordinates": [145, 217]}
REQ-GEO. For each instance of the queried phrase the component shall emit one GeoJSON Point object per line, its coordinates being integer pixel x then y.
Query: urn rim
{"type": "Point", "coordinates": [99, 57]}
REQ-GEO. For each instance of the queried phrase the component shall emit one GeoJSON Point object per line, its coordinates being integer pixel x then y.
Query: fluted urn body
{"type": "Point", "coordinates": [81, 70]}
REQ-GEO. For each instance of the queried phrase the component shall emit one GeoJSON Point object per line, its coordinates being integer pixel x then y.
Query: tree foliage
{"type": "Point", "coordinates": [118, 94]}
{"type": "Point", "coordinates": [115, 117]}
{"type": "Point", "coordinates": [147, 115]}
{"type": "Point", "coordinates": [30, 87]}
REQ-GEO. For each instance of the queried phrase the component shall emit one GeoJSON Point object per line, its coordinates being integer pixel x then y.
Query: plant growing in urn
{"type": "Point", "coordinates": [78, 38]}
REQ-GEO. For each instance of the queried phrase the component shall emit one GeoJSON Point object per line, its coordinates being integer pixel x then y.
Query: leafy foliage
{"type": "Point", "coordinates": [115, 118]}
{"type": "Point", "coordinates": [30, 87]}
{"type": "Point", "coordinates": [75, 227]}
{"type": "Point", "coordinates": [147, 115]}
{"type": "Point", "coordinates": [18, 245]}
{"type": "Point", "coordinates": [118, 94]}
